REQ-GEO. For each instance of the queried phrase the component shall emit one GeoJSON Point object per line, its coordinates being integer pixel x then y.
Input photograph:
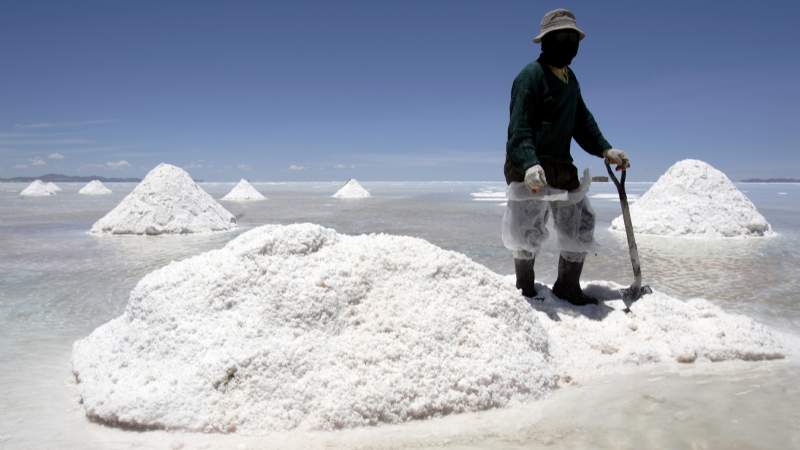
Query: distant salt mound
{"type": "Point", "coordinates": [37, 188]}
{"type": "Point", "coordinates": [352, 189]}
{"type": "Point", "coordinates": [244, 192]}
{"type": "Point", "coordinates": [53, 187]}
{"type": "Point", "coordinates": [301, 327]}
{"type": "Point", "coordinates": [694, 199]}
{"type": "Point", "coordinates": [167, 201]}
{"type": "Point", "coordinates": [488, 196]}
{"type": "Point", "coordinates": [95, 187]}
{"type": "Point", "coordinates": [614, 197]}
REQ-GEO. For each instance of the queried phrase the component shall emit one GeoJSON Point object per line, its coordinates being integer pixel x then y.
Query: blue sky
{"type": "Point", "coordinates": [411, 90]}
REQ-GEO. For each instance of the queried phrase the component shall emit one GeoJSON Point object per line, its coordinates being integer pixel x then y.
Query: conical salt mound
{"type": "Point", "coordinates": [299, 326]}
{"type": "Point", "coordinates": [352, 189]}
{"type": "Point", "coordinates": [244, 192]}
{"type": "Point", "coordinates": [37, 188]}
{"type": "Point", "coordinates": [167, 201]}
{"type": "Point", "coordinates": [54, 187]}
{"type": "Point", "coordinates": [694, 199]}
{"type": "Point", "coordinates": [95, 187]}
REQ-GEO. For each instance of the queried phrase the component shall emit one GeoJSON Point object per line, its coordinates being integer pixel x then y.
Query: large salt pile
{"type": "Point", "coordinates": [300, 327]}
{"type": "Point", "coordinates": [53, 187]}
{"type": "Point", "coordinates": [37, 189]}
{"type": "Point", "coordinates": [352, 189]}
{"type": "Point", "coordinates": [95, 187]}
{"type": "Point", "coordinates": [694, 199]}
{"type": "Point", "coordinates": [166, 201]}
{"type": "Point", "coordinates": [244, 192]}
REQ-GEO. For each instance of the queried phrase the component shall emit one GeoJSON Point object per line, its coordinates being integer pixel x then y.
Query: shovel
{"type": "Point", "coordinates": [636, 290]}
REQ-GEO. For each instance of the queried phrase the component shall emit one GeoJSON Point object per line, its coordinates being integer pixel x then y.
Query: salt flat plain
{"type": "Point", "coordinates": [58, 283]}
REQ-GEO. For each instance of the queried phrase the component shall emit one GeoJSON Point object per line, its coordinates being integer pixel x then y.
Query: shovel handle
{"type": "Point", "coordinates": [619, 183]}
{"type": "Point", "coordinates": [626, 218]}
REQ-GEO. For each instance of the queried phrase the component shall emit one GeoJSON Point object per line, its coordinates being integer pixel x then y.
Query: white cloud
{"type": "Point", "coordinates": [296, 167]}
{"type": "Point", "coordinates": [432, 158]}
{"type": "Point", "coordinates": [344, 166]}
{"type": "Point", "coordinates": [38, 162]}
{"type": "Point", "coordinates": [108, 165]}
{"type": "Point", "coordinates": [244, 167]}
{"type": "Point", "coordinates": [194, 165]}
{"type": "Point", "coordinates": [108, 151]}
{"type": "Point", "coordinates": [81, 123]}
{"type": "Point", "coordinates": [21, 166]}
{"type": "Point", "coordinates": [56, 156]}
{"type": "Point", "coordinates": [118, 164]}
{"type": "Point", "coordinates": [46, 141]}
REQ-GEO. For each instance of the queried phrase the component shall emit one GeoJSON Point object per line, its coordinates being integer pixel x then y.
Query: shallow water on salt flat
{"type": "Point", "coordinates": [57, 284]}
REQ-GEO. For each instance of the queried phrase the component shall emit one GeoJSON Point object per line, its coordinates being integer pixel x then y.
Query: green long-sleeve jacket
{"type": "Point", "coordinates": [546, 114]}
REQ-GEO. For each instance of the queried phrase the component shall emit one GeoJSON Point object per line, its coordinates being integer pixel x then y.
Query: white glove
{"type": "Point", "coordinates": [618, 157]}
{"type": "Point", "coordinates": [534, 178]}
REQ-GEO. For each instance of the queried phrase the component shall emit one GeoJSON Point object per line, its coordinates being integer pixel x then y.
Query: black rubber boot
{"type": "Point", "coordinates": [568, 285]}
{"type": "Point", "coordinates": [525, 276]}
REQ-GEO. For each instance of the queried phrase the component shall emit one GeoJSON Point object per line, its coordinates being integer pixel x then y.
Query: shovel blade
{"type": "Point", "coordinates": [633, 293]}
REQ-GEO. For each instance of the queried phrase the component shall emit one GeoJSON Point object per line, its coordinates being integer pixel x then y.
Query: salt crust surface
{"type": "Point", "coordinates": [501, 195]}
{"type": "Point", "coordinates": [694, 199]}
{"type": "Point", "coordinates": [352, 189]}
{"type": "Point", "coordinates": [54, 187]}
{"type": "Point", "coordinates": [37, 188]}
{"type": "Point", "coordinates": [243, 192]}
{"type": "Point", "coordinates": [94, 187]}
{"type": "Point", "coordinates": [167, 201]}
{"type": "Point", "coordinates": [301, 327]}
{"type": "Point", "coordinates": [614, 197]}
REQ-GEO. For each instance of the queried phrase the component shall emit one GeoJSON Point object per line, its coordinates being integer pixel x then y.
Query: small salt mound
{"type": "Point", "coordinates": [54, 187]}
{"type": "Point", "coordinates": [693, 198]}
{"type": "Point", "coordinates": [166, 201]}
{"type": "Point", "coordinates": [488, 196]}
{"type": "Point", "coordinates": [300, 327]}
{"type": "Point", "coordinates": [244, 192]}
{"type": "Point", "coordinates": [37, 189]}
{"type": "Point", "coordinates": [352, 189]}
{"type": "Point", "coordinates": [95, 187]}
{"type": "Point", "coordinates": [614, 197]}
{"type": "Point", "coordinates": [595, 340]}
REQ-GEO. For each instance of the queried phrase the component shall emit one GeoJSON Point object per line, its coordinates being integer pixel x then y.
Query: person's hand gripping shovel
{"type": "Point", "coordinates": [636, 290]}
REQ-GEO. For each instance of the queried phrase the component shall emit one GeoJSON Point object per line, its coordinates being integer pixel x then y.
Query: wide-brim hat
{"type": "Point", "coordinates": [558, 19]}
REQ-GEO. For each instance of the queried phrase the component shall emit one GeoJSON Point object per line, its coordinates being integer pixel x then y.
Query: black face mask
{"type": "Point", "coordinates": [560, 47]}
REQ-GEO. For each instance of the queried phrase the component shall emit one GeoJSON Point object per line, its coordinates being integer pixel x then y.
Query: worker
{"type": "Point", "coordinates": [547, 112]}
